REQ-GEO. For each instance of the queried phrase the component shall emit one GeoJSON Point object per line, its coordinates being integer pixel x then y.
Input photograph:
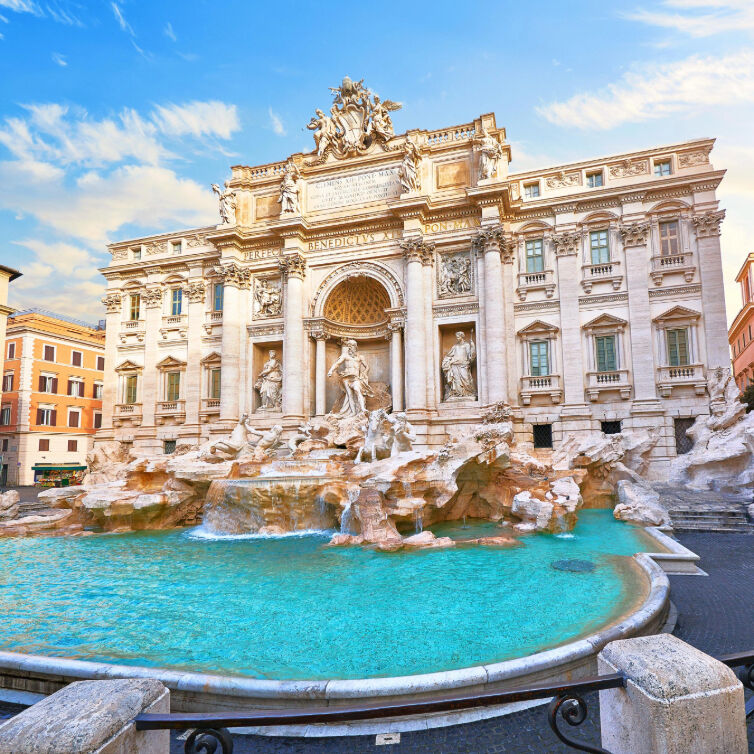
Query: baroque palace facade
{"type": "Point", "coordinates": [587, 296]}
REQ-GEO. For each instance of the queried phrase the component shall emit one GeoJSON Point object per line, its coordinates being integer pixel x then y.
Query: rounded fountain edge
{"type": "Point", "coordinates": [193, 691]}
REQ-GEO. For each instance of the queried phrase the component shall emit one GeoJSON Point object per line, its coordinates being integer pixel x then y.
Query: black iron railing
{"type": "Point", "coordinates": [210, 731]}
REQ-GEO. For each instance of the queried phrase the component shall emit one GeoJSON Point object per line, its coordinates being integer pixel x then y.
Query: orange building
{"type": "Point", "coordinates": [741, 332]}
{"type": "Point", "coordinates": [51, 398]}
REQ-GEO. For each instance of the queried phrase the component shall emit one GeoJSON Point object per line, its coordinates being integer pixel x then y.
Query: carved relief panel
{"type": "Point", "coordinates": [455, 274]}
{"type": "Point", "coordinates": [268, 297]}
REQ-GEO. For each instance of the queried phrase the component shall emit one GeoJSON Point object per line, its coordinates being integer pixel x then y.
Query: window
{"type": "Point", "coordinates": [97, 392]}
{"type": "Point", "coordinates": [598, 243]}
{"type": "Point", "coordinates": [535, 261]}
{"type": "Point", "coordinates": [74, 418]}
{"type": "Point", "coordinates": [76, 358]}
{"type": "Point", "coordinates": [168, 446]}
{"type": "Point", "coordinates": [73, 446]}
{"type": "Point", "coordinates": [662, 167]}
{"type": "Point", "coordinates": [594, 180]}
{"type": "Point", "coordinates": [678, 347]}
{"type": "Point", "coordinates": [47, 417]}
{"type": "Point", "coordinates": [44, 444]}
{"type": "Point", "coordinates": [5, 417]}
{"type": "Point", "coordinates": [48, 383]}
{"type": "Point", "coordinates": [8, 382]}
{"type": "Point", "coordinates": [5, 444]}
{"type": "Point", "coordinates": [175, 247]}
{"type": "Point", "coordinates": [217, 298]}
{"type": "Point", "coordinates": [539, 365]}
{"type": "Point", "coordinates": [11, 350]}
{"type": "Point", "coordinates": [100, 363]}
{"type": "Point", "coordinates": [176, 301]}
{"type": "Point", "coordinates": [542, 435]}
{"type": "Point", "coordinates": [97, 421]}
{"type": "Point", "coordinates": [76, 388]}
{"type": "Point", "coordinates": [49, 353]}
{"type": "Point", "coordinates": [136, 253]}
{"type": "Point", "coordinates": [214, 384]}
{"type": "Point", "coordinates": [605, 353]}
{"type": "Point", "coordinates": [683, 443]}
{"type": "Point", "coordinates": [531, 190]}
{"type": "Point", "coordinates": [173, 392]}
{"type": "Point", "coordinates": [131, 382]}
{"type": "Point", "coordinates": [610, 428]}
{"type": "Point", "coordinates": [134, 307]}
{"type": "Point", "coordinates": [669, 238]}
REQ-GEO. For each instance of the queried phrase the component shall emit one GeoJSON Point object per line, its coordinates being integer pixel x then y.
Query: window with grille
{"type": "Point", "coordinates": [600, 247]}
{"type": "Point", "coordinates": [542, 435]}
{"type": "Point", "coordinates": [669, 238]}
{"type": "Point", "coordinates": [678, 347]}
{"type": "Point", "coordinates": [610, 428]}
{"type": "Point", "coordinates": [539, 365]}
{"type": "Point", "coordinates": [217, 299]}
{"type": "Point", "coordinates": [131, 383]}
{"type": "Point", "coordinates": [168, 446]}
{"type": "Point", "coordinates": [683, 443]}
{"type": "Point", "coordinates": [535, 261]}
{"type": "Point", "coordinates": [605, 353]}
{"type": "Point", "coordinates": [176, 301]}
{"type": "Point", "coordinates": [134, 307]}
{"type": "Point", "coordinates": [173, 392]}
{"type": "Point", "coordinates": [214, 384]}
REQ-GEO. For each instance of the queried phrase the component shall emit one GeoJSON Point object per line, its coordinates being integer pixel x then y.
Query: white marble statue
{"type": "Point", "coordinates": [268, 441]}
{"type": "Point", "coordinates": [269, 384]}
{"type": "Point", "coordinates": [324, 131]}
{"type": "Point", "coordinates": [490, 153]}
{"type": "Point", "coordinates": [456, 366]}
{"type": "Point", "coordinates": [268, 298]}
{"type": "Point", "coordinates": [409, 170]}
{"type": "Point", "coordinates": [403, 435]}
{"type": "Point", "coordinates": [229, 448]}
{"type": "Point", "coordinates": [455, 275]}
{"type": "Point", "coordinates": [289, 189]}
{"type": "Point", "coordinates": [353, 370]}
{"type": "Point", "coordinates": [376, 440]}
{"type": "Point", "coordinates": [228, 203]}
{"type": "Point", "coordinates": [381, 122]}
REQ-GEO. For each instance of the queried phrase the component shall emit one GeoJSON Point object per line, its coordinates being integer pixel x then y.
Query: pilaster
{"type": "Point", "coordinates": [234, 278]}
{"type": "Point", "coordinates": [113, 307]}
{"type": "Point", "coordinates": [153, 303]}
{"type": "Point", "coordinates": [293, 267]}
{"type": "Point", "coordinates": [193, 389]}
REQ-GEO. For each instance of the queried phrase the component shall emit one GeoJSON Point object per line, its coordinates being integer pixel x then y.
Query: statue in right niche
{"type": "Point", "coordinates": [269, 384]}
{"type": "Point", "coordinates": [456, 368]}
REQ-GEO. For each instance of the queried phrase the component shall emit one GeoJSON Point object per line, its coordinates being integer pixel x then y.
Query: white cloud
{"type": "Point", "coordinates": [169, 33]}
{"type": "Point", "coordinates": [59, 59]}
{"type": "Point", "coordinates": [21, 6]}
{"type": "Point", "coordinates": [717, 16]}
{"type": "Point", "coordinates": [276, 123]}
{"type": "Point", "coordinates": [657, 91]}
{"type": "Point", "coordinates": [197, 119]}
{"type": "Point", "coordinates": [121, 19]}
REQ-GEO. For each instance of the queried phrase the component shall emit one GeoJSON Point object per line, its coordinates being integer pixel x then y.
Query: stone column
{"type": "Point", "coordinates": [492, 242]}
{"type": "Point", "coordinates": [234, 278]}
{"type": "Point", "coordinates": [643, 367]}
{"type": "Point", "coordinates": [192, 390]}
{"type": "Point", "coordinates": [566, 246]}
{"type": "Point", "coordinates": [396, 365]}
{"type": "Point", "coordinates": [320, 374]}
{"type": "Point", "coordinates": [711, 274]}
{"type": "Point", "coordinates": [113, 304]}
{"type": "Point", "coordinates": [153, 300]}
{"type": "Point", "coordinates": [676, 700]}
{"type": "Point", "coordinates": [432, 367]}
{"type": "Point", "coordinates": [416, 370]}
{"type": "Point", "coordinates": [293, 267]}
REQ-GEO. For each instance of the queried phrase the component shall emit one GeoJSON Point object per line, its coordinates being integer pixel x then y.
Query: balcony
{"type": "Point", "coordinates": [682, 264]}
{"type": "Point", "coordinates": [602, 382]}
{"type": "Point", "coordinates": [210, 407]}
{"type": "Point", "coordinates": [609, 272]}
{"type": "Point", "coordinates": [536, 281]}
{"type": "Point", "coordinates": [132, 328]}
{"type": "Point", "coordinates": [175, 410]}
{"type": "Point", "coordinates": [548, 385]}
{"type": "Point", "coordinates": [127, 413]}
{"type": "Point", "coordinates": [690, 375]}
{"type": "Point", "coordinates": [174, 323]}
{"type": "Point", "coordinates": [212, 320]}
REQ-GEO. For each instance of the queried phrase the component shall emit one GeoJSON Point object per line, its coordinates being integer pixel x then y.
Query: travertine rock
{"type": "Point", "coordinates": [640, 504]}
{"type": "Point", "coordinates": [106, 462]}
{"type": "Point", "coordinates": [9, 505]}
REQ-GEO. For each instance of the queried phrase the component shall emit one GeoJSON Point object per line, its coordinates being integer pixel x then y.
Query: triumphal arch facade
{"type": "Point", "coordinates": [416, 269]}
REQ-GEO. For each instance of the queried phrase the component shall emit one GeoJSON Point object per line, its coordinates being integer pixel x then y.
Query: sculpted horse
{"type": "Point", "coordinates": [375, 440]}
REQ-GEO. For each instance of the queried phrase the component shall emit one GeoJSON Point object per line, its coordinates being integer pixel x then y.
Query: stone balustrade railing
{"type": "Point", "coordinates": [687, 375]}
{"type": "Point", "coordinates": [617, 379]}
{"type": "Point", "coordinates": [530, 281]}
{"type": "Point", "coordinates": [549, 385]}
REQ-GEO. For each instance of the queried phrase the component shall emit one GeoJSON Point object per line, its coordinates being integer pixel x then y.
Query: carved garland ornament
{"type": "Point", "coordinates": [563, 180]}
{"type": "Point", "coordinates": [635, 234]}
{"type": "Point", "coordinates": [708, 224]}
{"type": "Point", "coordinates": [691, 159]}
{"type": "Point", "coordinates": [293, 265]}
{"type": "Point", "coordinates": [629, 168]}
{"type": "Point", "coordinates": [357, 269]}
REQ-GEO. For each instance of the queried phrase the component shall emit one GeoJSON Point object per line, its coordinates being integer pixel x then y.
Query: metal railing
{"type": "Point", "coordinates": [208, 731]}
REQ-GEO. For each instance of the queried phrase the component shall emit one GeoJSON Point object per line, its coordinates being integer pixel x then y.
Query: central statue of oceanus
{"type": "Point", "coordinates": [357, 120]}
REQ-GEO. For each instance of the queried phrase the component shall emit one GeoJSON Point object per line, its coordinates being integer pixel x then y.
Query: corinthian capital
{"type": "Point", "coordinates": [495, 239]}
{"type": "Point", "coordinates": [635, 234]}
{"type": "Point", "coordinates": [293, 265]}
{"type": "Point", "coordinates": [152, 298]}
{"type": "Point", "coordinates": [708, 224]}
{"type": "Point", "coordinates": [196, 291]}
{"type": "Point", "coordinates": [566, 244]}
{"type": "Point", "coordinates": [233, 274]}
{"type": "Point", "coordinates": [112, 302]}
{"type": "Point", "coordinates": [418, 250]}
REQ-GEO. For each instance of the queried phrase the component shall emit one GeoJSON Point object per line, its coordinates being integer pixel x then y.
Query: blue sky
{"type": "Point", "coordinates": [115, 117]}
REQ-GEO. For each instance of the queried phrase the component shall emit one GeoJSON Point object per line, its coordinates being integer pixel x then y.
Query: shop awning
{"type": "Point", "coordinates": [70, 467]}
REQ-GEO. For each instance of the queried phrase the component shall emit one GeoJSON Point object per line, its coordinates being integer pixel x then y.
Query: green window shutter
{"type": "Point", "coordinates": [605, 348]}
{"type": "Point", "coordinates": [534, 256]}
{"type": "Point", "coordinates": [678, 347]}
{"type": "Point", "coordinates": [538, 359]}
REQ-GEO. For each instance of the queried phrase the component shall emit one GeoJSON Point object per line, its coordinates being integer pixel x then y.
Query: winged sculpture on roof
{"type": "Point", "coordinates": [358, 119]}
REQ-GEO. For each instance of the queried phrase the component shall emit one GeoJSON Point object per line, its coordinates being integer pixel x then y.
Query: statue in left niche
{"type": "Point", "coordinates": [228, 203]}
{"type": "Point", "coordinates": [269, 384]}
{"type": "Point", "coordinates": [289, 190]}
{"type": "Point", "coordinates": [456, 367]}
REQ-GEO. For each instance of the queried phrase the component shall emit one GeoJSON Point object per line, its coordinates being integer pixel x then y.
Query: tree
{"type": "Point", "coordinates": [747, 397]}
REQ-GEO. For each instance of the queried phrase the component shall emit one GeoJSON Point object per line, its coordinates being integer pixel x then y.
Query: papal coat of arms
{"type": "Point", "coordinates": [358, 119]}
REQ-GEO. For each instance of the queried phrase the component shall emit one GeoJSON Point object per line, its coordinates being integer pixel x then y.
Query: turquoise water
{"type": "Point", "coordinates": [289, 608]}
